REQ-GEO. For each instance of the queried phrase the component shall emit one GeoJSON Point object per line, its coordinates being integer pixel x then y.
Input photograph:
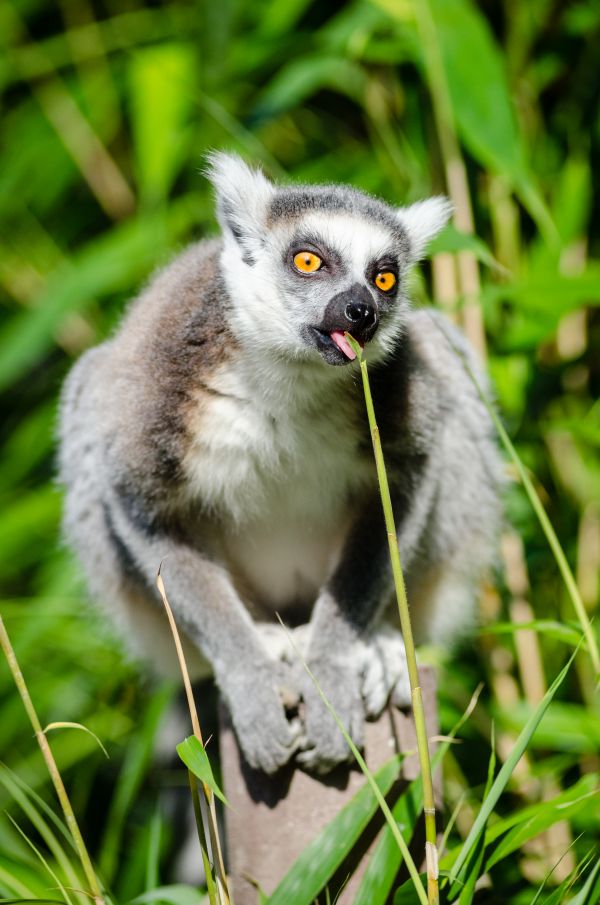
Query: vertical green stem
{"type": "Point", "coordinates": [199, 817]}
{"type": "Point", "coordinates": [455, 169]}
{"type": "Point", "coordinates": [55, 776]}
{"type": "Point", "coordinates": [546, 524]}
{"type": "Point", "coordinates": [411, 659]}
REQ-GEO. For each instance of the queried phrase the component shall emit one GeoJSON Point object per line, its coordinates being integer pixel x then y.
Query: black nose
{"type": "Point", "coordinates": [361, 315]}
{"type": "Point", "coordinates": [354, 310]}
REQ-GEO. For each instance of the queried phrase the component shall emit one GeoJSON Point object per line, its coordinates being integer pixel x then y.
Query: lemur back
{"type": "Point", "coordinates": [222, 431]}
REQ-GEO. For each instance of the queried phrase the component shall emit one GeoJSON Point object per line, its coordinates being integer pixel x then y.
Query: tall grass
{"type": "Point", "coordinates": [107, 112]}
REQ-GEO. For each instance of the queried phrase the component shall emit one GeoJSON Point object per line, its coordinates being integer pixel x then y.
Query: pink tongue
{"type": "Point", "coordinates": [343, 344]}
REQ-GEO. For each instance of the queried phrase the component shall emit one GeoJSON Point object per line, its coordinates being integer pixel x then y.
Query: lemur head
{"type": "Point", "coordinates": [304, 264]}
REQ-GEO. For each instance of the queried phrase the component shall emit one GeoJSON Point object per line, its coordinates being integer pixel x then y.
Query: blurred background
{"type": "Point", "coordinates": [108, 109]}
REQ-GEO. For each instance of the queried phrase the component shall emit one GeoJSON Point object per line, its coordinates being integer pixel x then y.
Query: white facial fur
{"type": "Point", "coordinates": [272, 305]}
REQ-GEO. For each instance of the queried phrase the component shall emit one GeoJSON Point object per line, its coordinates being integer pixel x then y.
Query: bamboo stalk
{"type": "Point", "coordinates": [53, 770]}
{"type": "Point", "coordinates": [538, 508]}
{"type": "Point", "coordinates": [431, 853]}
{"type": "Point", "coordinates": [456, 174]}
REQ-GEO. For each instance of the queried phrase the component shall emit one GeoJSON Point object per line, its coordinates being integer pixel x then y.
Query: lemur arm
{"type": "Point", "coordinates": [346, 612]}
{"type": "Point", "coordinates": [207, 608]}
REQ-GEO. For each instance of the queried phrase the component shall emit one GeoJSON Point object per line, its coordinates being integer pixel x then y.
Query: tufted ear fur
{"type": "Point", "coordinates": [242, 196]}
{"type": "Point", "coordinates": [423, 221]}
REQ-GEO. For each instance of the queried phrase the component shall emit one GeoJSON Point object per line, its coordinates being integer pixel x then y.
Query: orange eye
{"type": "Point", "coordinates": [307, 262]}
{"type": "Point", "coordinates": [385, 280]}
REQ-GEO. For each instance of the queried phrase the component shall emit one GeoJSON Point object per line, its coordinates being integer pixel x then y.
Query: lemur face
{"type": "Point", "coordinates": [339, 271]}
{"type": "Point", "coordinates": [306, 264]}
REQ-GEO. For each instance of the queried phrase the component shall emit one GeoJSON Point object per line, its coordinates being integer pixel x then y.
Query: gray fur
{"type": "Point", "coordinates": [213, 434]}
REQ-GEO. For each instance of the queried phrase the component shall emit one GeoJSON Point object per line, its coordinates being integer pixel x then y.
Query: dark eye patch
{"type": "Point", "coordinates": [383, 264]}
{"type": "Point", "coordinates": [332, 260]}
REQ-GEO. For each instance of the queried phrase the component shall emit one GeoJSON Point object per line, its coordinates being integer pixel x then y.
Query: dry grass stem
{"type": "Point", "coordinates": [207, 820]}
{"type": "Point", "coordinates": [53, 770]}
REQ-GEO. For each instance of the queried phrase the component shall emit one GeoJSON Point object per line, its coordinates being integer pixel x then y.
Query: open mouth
{"type": "Point", "coordinates": [335, 347]}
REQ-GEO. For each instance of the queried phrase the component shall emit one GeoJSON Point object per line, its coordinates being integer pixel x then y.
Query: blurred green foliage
{"type": "Point", "coordinates": [108, 109]}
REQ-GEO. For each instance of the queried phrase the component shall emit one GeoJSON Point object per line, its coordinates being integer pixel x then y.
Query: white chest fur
{"type": "Point", "coordinates": [281, 471]}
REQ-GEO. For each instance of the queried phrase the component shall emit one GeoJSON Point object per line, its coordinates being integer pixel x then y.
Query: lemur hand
{"type": "Point", "coordinates": [323, 745]}
{"type": "Point", "coordinates": [358, 686]}
{"type": "Point", "coordinates": [257, 702]}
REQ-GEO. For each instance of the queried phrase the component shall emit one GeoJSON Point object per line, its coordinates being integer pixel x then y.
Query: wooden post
{"type": "Point", "coordinates": [273, 818]}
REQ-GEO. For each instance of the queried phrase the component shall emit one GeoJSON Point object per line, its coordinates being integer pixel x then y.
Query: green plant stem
{"type": "Point", "coordinates": [53, 770]}
{"type": "Point", "coordinates": [455, 169]}
{"type": "Point", "coordinates": [208, 871]}
{"type": "Point", "coordinates": [410, 864]}
{"type": "Point", "coordinates": [536, 503]}
{"type": "Point", "coordinates": [411, 659]}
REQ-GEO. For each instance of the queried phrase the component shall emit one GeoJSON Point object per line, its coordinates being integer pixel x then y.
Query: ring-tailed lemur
{"type": "Point", "coordinates": [222, 431]}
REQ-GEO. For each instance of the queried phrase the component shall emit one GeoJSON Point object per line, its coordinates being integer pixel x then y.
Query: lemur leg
{"type": "Point", "coordinates": [253, 684]}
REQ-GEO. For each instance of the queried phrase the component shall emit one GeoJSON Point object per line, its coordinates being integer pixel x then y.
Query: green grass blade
{"type": "Point", "coordinates": [131, 776]}
{"type": "Point", "coordinates": [537, 818]}
{"type": "Point", "coordinates": [590, 893]}
{"type": "Point", "coordinates": [161, 81]}
{"type": "Point", "coordinates": [25, 798]}
{"type": "Point", "coordinates": [386, 859]}
{"type": "Point", "coordinates": [43, 861]}
{"type": "Point", "coordinates": [194, 756]}
{"type": "Point", "coordinates": [470, 874]}
{"type": "Point", "coordinates": [408, 860]}
{"type": "Point", "coordinates": [406, 894]}
{"type": "Point", "coordinates": [321, 858]}
{"type": "Point", "coordinates": [154, 846]}
{"type": "Point", "coordinates": [553, 541]}
{"type": "Point", "coordinates": [506, 772]}
{"type": "Point", "coordinates": [37, 901]}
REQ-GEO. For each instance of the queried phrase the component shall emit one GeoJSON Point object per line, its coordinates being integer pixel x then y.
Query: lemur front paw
{"type": "Point", "coordinates": [323, 745]}
{"type": "Point", "coordinates": [268, 739]}
{"type": "Point", "coordinates": [384, 671]}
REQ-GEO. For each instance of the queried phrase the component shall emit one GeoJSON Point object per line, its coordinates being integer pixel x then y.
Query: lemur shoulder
{"type": "Point", "coordinates": [222, 431]}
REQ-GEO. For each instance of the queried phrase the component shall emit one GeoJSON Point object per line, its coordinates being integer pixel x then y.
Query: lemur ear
{"type": "Point", "coordinates": [242, 195]}
{"type": "Point", "coordinates": [423, 221]}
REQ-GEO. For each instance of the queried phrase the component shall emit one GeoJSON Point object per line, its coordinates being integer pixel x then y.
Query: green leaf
{"type": "Point", "coordinates": [114, 262]}
{"type": "Point", "coordinates": [406, 894]}
{"type": "Point", "coordinates": [465, 883]}
{"type": "Point", "coordinates": [386, 859]}
{"type": "Point", "coordinates": [162, 81]}
{"type": "Point", "coordinates": [481, 103]}
{"type": "Point", "coordinates": [479, 98]}
{"type": "Point", "coordinates": [590, 893]}
{"type": "Point", "coordinates": [560, 631]}
{"type": "Point", "coordinates": [176, 894]}
{"type": "Point", "coordinates": [320, 859]}
{"type": "Point", "coordinates": [196, 759]}
{"type": "Point", "coordinates": [519, 828]}
{"type": "Point", "coordinates": [70, 725]}
{"type": "Point", "coordinates": [506, 771]}
{"type": "Point", "coordinates": [566, 727]}
{"type": "Point", "coordinates": [305, 76]}
{"type": "Point", "coordinates": [137, 757]}
{"type": "Point", "coordinates": [451, 239]}
{"type": "Point", "coordinates": [24, 525]}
